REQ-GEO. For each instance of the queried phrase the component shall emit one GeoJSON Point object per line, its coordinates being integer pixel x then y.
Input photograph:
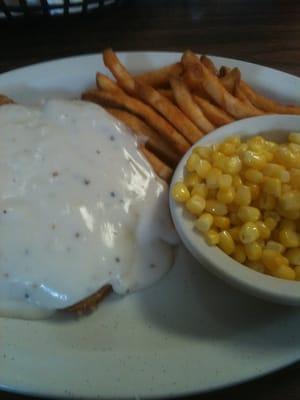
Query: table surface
{"type": "Point", "coordinates": [264, 32]}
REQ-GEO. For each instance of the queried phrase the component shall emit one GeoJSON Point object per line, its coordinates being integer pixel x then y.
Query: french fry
{"type": "Point", "coordinates": [124, 79]}
{"type": "Point", "coordinates": [5, 100]}
{"type": "Point", "coordinates": [121, 100]}
{"type": "Point", "coordinates": [159, 78]}
{"type": "Point", "coordinates": [223, 71]}
{"type": "Point", "coordinates": [231, 80]}
{"type": "Point", "coordinates": [208, 62]}
{"type": "Point", "coordinates": [186, 104]}
{"type": "Point", "coordinates": [221, 96]}
{"type": "Point", "coordinates": [172, 113]}
{"type": "Point", "coordinates": [167, 93]}
{"type": "Point", "coordinates": [241, 95]}
{"type": "Point", "coordinates": [159, 167]}
{"type": "Point", "coordinates": [265, 103]}
{"type": "Point", "coordinates": [103, 82]}
{"type": "Point", "coordinates": [215, 114]}
{"type": "Point", "coordinates": [189, 59]}
{"type": "Point", "coordinates": [153, 141]}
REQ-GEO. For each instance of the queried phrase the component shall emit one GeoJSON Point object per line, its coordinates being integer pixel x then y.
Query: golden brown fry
{"type": "Point", "coordinates": [208, 62]}
{"type": "Point", "coordinates": [121, 100]}
{"type": "Point", "coordinates": [186, 104]}
{"type": "Point", "coordinates": [124, 79]}
{"type": "Point", "coordinates": [167, 93]}
{"type": "Point", "coordinates": [5, 100]}
{"type": "Point", "coordinates": [172, 113]}
{"type": "Point", "coordinates": [215, 114]}
{"type": "Point", "coordinates": [105, 83]}
{"type": "Point", "coordinates": [189, 59]}
{"type": "Point", "coordinates": [221, 96]}
{"type": "Point", "coordinates": [224, 71]}
{"type": "Point", "coordinates": [159, 78]}
{"type": "Point", "coordinates": [159, 167]}
{"type": "Point", "coordinates": [153, 140]}
{"type": "Point", "coordinates": [241, 95]}
{"type": "Point", "coordinates": [231, 80]}
{"type": "Point", "coordinates": [265, 103]}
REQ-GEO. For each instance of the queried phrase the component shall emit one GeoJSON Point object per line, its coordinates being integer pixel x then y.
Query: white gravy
{"type": "Point", "coordinates": [80, 208]}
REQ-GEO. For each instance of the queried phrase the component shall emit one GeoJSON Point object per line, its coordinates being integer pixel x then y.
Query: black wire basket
{"type": "Point", "coordinates": [24, 8]}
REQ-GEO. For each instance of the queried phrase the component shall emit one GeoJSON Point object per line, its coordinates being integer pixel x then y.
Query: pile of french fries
{"type": "Point", "coordinates": [174, 106]}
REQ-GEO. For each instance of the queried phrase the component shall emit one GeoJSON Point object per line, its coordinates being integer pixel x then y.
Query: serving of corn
{"type": "Point", "coordinates": [245, 197]}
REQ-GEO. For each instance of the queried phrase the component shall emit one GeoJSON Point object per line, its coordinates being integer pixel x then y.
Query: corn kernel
{"type": "Point", "coordinates": [232, 166]}
{"type": "Point", "coordinates": [294, 147]}
{"type": "Point", "coordinates": [294, 137]}
{"type": "Point", "coordinates": [225, 181]}
{"type": "Point", "coordinates": [288, 238]}
{"type": "Point", "coordinates": [228, 148]}
{"type": "Point", "coordinates": [204, 222]}
{"type": "Point", "coordinates": [251, 159]}
{"type": "Point", "coordinates": [212, 178]}
{"type": "Point", "coordinates": [202, 168]}
{"type": "Point", "coordinates": [203, 152]}
{"type": "Point", "coordinates": [272, 186]}
{"type": "Point", "coordinates": [297, 273]}
{"type": "Point", "coordinates": [236, 181]}
{"type": "Point", "coordinates": [190, 180]}
{"type": "Point", "coordinates": [276, 171]}
{"type": "Point", "coordinates": [218, 160]}
{"type": "Point", "coordinates": [248, 214]}
{"type": "Point", "coordinates": [234, 219]}
{"type": "Point", "coordinates": [242, 195]}
{"type": "Point", "coordinates": [226, 242]}
{"type": "Point", "coordinates": [256, 266]}
{"type": "Point", "coordinates": [235, 233]}
{"type": "Point", "coordinates": [253, 251]}
{"type": "Point", "coordinates": [288, 224]}
{"type": "Point", "coordinates": [272, 260]}
{"type": "Point", "coordinates": [215, 207]}
{"type": "Point", "coordinates": [290, 201]}
{"type": "Point", "coordinates": [180, 192]}
{"type": "Point", "coordinates": [264, 231]}
{"type": "Point", "coordinates": [289, 214]}
{"type": "Point", "coordinates": [255, 191]}
{"type": "Point", "coordinates": [192, 162]}
{"type": "Point", "coordinates": [239, 253]}
{"type": "Point", "coordinates": [200, 189]}
{"type": "Point", "coordinates": [286, 157]}
{"type": "Point", "coordinates": [276, 246]}
{"type": "Point", "coordinates": [285, 272]}
{"type": "Point", "coordinates": [248, 232]}
{"type": "Point", "coordinates": [253, 175]}
{"type": "Point", "coordinates": [226, 195]}
{"type": "Point", "coordinates": [267, 202]}
{"type": "Point", "coordinates": [195, 205]}
{"type": "Point", "coordinates": [256, 143]}
{"type": "Point", "coordinates": [268, 155]}
{"type": "Point", "coordinates": [212, 237]}
{"type": "Point", "coordinates": [221, 222]}
{"type": "Point", "coordinates": [293, 255]}
{"type": "Point", "coordinates": [212, 193]}
{"type": "Point", "coordinates": [295, 178]}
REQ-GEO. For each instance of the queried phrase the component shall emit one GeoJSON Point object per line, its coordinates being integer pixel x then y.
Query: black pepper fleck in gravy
{"type": "Point", "coordinates": [4, 211]}
{"type": "Point", "coordinates": [86, 181]}
{"type": "Point", "coordinates": [112, 138]}
{"type": "Point", "coordinates": [117, 259]}
{"type": "Point", "coordinates": [152, 265]}
{"type": "Point", "coordinates": [98, 151]}
{"type": "Point", "coordinates": [77, 234]}
{"type": "Point", "coordinates": [54, 174]}
{"type": "Point", "coordinates": [112, 194]}
{"type": "Point", "coordinates": [26, 296]}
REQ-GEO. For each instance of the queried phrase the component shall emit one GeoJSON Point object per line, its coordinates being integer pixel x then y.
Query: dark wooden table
{"type": "Point", "coordinates": [264, 32]}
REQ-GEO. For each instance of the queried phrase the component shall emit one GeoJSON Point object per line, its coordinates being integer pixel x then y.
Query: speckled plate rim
{"type": "Point", "coordinates": [56, 78]}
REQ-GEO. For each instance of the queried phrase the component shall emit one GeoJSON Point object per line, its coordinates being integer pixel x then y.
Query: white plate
{"type": "Point", "coordinates": [189, 333]}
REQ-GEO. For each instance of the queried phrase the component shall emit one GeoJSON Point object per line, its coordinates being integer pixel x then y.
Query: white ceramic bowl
{"type": "Point", "coordinates": [255, 283]}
